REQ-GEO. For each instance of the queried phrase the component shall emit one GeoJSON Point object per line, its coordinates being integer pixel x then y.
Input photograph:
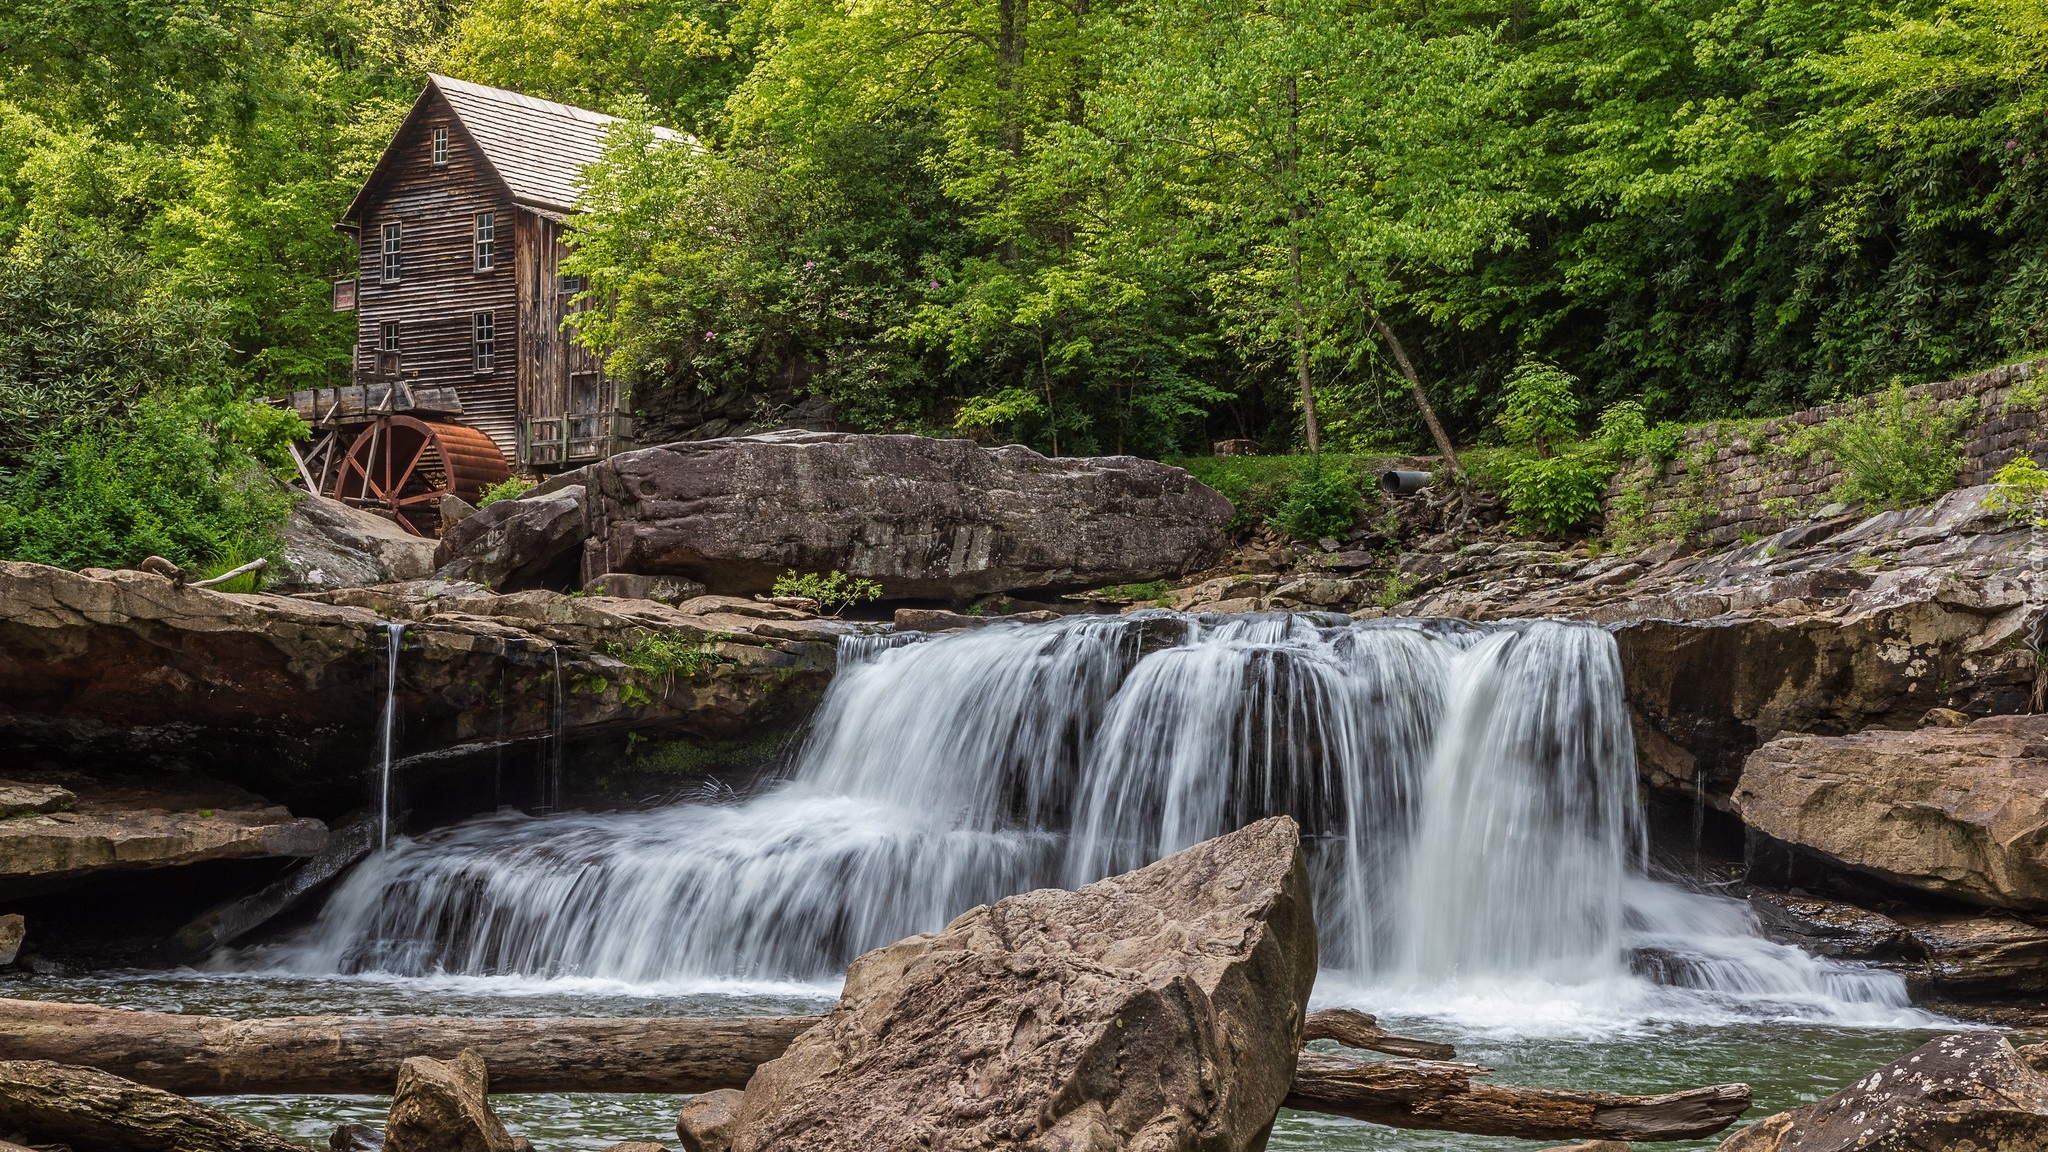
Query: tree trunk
{"type": "Point", "coordinates": [343, 1054]}
{"type": "Point", "coordinates": [1436, 428]}
{"type": "Point", "coordinates": [1295, 214]}
{"type": "Point", "coordinates": [1443, 1097]}
{"type": "Point", "coordinates": [93, 1111]}
{"type": "Point", "coordinates": [207, 1055]}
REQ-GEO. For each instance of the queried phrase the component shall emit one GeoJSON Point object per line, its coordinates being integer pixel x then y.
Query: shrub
{"type": "Point", "coordinates": [1321, 501]}
{"type": "Point", "coordinates": [1553, 495]}
{"type": "Point", "coordinates": [1896, 452]}
{"type": "Point", "coordinates": [834, 591]}
{"type": "Point", "coordinates": [2017, 491]}
{"type": "Point", "coordinates": [84, 335]}
{"type": "Point", "coordinates": [1541, 408]}
{"type": "Point", "coordinates": [183, 477]}
{"type": "Point", "coordinates": [508, 489]}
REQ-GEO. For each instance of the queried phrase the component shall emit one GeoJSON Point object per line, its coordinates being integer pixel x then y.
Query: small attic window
{"type": "Point", "coordinates": [440, 145]}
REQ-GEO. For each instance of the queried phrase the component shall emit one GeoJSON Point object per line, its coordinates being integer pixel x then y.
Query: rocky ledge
{"type": "Point", "coordinates": [80, 826]}
{"type": "Point", "coordinates": [106, 672]}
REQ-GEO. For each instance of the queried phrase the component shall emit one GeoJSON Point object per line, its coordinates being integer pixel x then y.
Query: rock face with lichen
{"type": "Point", "coordinates": [1158, 1010]}
{"type": "Point", "coordinates": [1960, 813]}
{"type": "Point", "coordinates": [1965, 1092]}
{"type": "Point", "coordinates": [279, 694]}
{"type": "Point", "coordinates": [924, 518]}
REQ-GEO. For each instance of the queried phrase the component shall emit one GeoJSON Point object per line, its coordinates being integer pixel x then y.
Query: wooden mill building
{"type": "Point", "coordinates": [460, 305]}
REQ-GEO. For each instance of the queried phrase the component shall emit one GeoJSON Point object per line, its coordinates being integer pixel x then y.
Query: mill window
{"type": "Point", "coordinates": [440, 145]}
{"type": "Point", "coordinates": [486, 232]}
{"type": "Point", "coordinates": [571, 285]}
{"type": "Point", "coordinates": [484, 329]}
{"type": "Point", "coordinates": [387, 336]}
{"type": "Point", "coordinates": [394, 239]}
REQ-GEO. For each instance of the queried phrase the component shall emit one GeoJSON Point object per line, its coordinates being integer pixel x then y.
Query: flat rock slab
{"type": "Point", "coordinates": [1159, 1010]}
{"type": "Point", "coordinates": [151, 826]}
{"type": "Point", "coordinates": [1966, 1092]}
{"type": "Point", "coordinates": [1955, 812]}
{"type": "Point", "coordinates": [926, 519]}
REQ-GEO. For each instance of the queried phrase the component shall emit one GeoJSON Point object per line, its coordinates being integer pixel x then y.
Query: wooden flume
{"type": "Point", "coordinates": [205, 1055]}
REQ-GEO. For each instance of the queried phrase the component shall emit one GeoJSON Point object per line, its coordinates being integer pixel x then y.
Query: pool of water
{"type": "Point", "coordinates": [1559, 1036]}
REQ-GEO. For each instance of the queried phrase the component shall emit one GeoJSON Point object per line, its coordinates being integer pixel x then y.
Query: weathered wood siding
{"type": "Point", "coordinates": [439, 288]}
{"type": "Point", "coordinates": [551, 363]}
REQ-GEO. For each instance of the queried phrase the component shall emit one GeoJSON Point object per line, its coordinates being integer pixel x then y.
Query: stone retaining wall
{"type": "Point", "coordinates": [1750, 486]}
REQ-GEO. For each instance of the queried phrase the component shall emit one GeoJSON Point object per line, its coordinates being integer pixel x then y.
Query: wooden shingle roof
{"type": "Point", "coordinates": [538, 148]}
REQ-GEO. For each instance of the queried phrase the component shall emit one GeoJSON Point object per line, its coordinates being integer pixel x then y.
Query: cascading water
{"type": "Point", "coordinates": [1469, 795]}
{"type": "Point", "coordinates": [394, 633]}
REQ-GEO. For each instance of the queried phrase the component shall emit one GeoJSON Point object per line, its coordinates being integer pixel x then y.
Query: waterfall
{"type": "Point", "coordinates": [394, 633]}
{"type": "Point", "coordinates": [1468, 795]}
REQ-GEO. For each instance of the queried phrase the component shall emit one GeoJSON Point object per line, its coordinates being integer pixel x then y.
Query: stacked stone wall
{"type": "Point", "coordinates": [1733, 478]}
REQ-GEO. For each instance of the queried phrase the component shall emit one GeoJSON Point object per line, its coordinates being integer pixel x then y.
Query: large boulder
{"type": "Point", "coordinates": [328, 544]}
{"type": "Point", "coordinates": [513, 545]}
{"type": "Point", "coordinates": [926, 519]}
{"type": "Point", "coordinates": [1158, 1010]}
{"type": "Point", "coordinates": [1969, 1091]}
{"type": "Point", "coordinates": [1954, 812]}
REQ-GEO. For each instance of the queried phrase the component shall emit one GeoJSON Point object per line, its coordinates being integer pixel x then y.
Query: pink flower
{"type": "Point", "coordinates": [810, 263]}
{"type": "Point", "coordinates": [935, 283]}
{"type": "Point", "coordinates": [2011, 144]}
{"type": "Point", "coordinates": [711, 335]}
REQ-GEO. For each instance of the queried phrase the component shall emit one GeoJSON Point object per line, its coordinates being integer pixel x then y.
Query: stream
{"type": "Point", "coordinates": [1468, 796]}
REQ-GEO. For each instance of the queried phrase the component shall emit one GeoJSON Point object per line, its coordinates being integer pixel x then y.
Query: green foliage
{"type": "Point", "coordinates": [1540, 408]}
{"type": "Point", "coordinates": [182, 477]}
{"type": "Point", "coordinates": [510, 488]}
{"type": "Point", "coordinates": [2017, 490]}
{"type": "Point", "coordinates": [1894, 451]}
{"type": "Point", "coordinates": [1394, 591]}
{"type": "Point", "coordinates": [83, 335]}
{"type": "Point", "coordinates": [246, 582]}
{"type": "Point", "coordinates": [1555, 494]}
{"type": "Point", "coordinates": [667, 658]}
{"type": "Point", "coordinates": [834, 591]}
{"type": "Point", "coordinates": [1321, 501]}
{"type": "Point", "coordinates": [1153, 590]}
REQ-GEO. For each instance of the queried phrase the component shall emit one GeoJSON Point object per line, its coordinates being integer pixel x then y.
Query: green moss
{"type": "Point", "coordinates": [692, 756]}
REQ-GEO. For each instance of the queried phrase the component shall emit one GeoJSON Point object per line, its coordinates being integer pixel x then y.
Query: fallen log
{"type": "Point", "coordinates": [1445, 1097]}
{"type": "Point", "coordinates": [1358, 1030]}
{"type": "Point", "coordinates": [204, 1055]}
{"type": "Point", "coordinates": [92, 1111]}
{"type": "Point", "coordinates": [208, 1055]}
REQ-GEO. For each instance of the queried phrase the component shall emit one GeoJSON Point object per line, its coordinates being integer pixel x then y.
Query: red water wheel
{"type": "Point", "coordinates": [404, 465]}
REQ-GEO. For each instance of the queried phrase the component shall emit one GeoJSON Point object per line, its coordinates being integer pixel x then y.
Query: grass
{"type": "Point", "coordinates": [668, 658]}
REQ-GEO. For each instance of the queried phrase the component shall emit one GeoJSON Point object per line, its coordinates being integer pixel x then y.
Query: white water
{"type": "Point", "coordinates": [393, 634]}
{"type": "Point", "coordinates": [1469, 794]}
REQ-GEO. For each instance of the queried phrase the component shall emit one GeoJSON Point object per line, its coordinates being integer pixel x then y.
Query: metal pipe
{"type": "Point", "coordinates": [1404, 483]}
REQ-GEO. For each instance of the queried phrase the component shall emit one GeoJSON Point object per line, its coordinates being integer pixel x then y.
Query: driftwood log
{"type": "Point", "coordinates": [93, 1111]}
{"type": "Point", "coordinates": [208, 1055]}
{"type": "Point", "coordinates": [1449, 1098]}
{"type": "Point", "coordinates": [203, 1055]}
{"type": "Point", "coordinates": [1358, 1030]}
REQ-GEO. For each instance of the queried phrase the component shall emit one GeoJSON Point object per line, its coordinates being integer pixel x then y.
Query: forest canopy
{"type": "Point", "coordinates": [1086, 225]}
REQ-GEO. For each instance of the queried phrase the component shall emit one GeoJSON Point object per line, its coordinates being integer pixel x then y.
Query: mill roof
{"type": "Point", "coordinates": [537, 148]}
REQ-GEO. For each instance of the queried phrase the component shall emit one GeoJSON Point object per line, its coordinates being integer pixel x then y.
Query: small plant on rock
{"type": "Point", "coordinates": [667, 658]}
{"type": "Point", "coordinates": [2017, 491]}
{"type": "Point", "coordinates": [511, 489]}
{"type": "Point", "coordinates": [834, 591]}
